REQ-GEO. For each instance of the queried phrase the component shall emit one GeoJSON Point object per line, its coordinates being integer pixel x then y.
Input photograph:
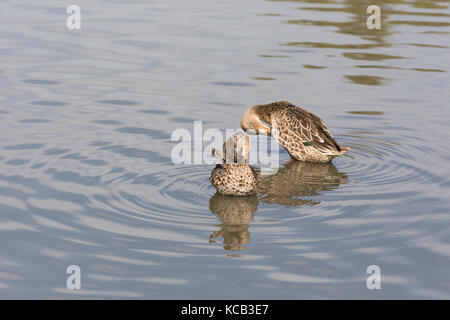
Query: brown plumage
{"type": "Point", "coordinates": [234, 177]}
{"type": "Point", "coordinates": [300, 132]}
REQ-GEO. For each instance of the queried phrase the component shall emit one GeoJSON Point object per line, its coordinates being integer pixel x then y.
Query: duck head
{"type": "Point", "coordinates": [235, 150]}
{"type": "Point", "coordinates": [251, 122]}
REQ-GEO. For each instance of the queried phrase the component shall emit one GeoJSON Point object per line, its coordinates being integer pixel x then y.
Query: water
{"type": "Point", "coordinates": [86, 176]}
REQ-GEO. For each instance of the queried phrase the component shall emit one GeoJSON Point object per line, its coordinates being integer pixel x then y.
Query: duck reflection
{"type": "Point", "coordinates": [235, 213]}
{"type": "Point", "coordinates": [293, 181]}
{"type": "Point", "coordinates": [299, 179]}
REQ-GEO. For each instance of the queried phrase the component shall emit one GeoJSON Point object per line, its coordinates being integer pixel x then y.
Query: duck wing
{"type": "Point", "coordinates": [297, 130]}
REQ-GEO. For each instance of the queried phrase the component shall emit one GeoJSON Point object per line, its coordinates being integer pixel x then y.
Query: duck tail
{"type": "Point", "coordinates": [345, 149]}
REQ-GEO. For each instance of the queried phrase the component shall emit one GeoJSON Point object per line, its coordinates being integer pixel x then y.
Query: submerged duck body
{"type": "Point", "coordinates": [234, 177]}
{"type": "Point", "coordinates": [301, 133]}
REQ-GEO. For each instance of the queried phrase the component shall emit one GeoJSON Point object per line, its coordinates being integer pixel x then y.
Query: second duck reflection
{"type": "Point", "coordinates": [292, 181]}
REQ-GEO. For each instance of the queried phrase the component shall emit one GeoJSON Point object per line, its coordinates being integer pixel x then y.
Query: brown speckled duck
{"type": "Point", "coordinates": [234, 177]}
{"type": "Point", "coordinates": [300, 132]}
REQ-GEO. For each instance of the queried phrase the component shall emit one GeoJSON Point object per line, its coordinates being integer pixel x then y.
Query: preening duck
{"type": "Point", "coordinates": [303, 134]}
{"type": "Point", "coordinates": [234, 177]}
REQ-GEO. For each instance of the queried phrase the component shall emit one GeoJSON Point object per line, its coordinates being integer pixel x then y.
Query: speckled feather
{"type": "Point", "coordinates": [234, 179]}
{"type": "Point", "coordinates": [301, 133]}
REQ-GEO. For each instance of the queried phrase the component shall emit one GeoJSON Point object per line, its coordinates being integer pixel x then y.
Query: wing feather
{"type": "Point", "coordinates": [296, 128]}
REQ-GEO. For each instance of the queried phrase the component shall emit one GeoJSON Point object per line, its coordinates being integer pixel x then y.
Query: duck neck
{"type": "Point", "coordinates": [264, 113]}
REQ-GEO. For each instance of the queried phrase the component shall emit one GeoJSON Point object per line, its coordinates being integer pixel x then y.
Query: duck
{"type": "Point", "coordinates": [303, 134]}
{"type": "Point", "coordinates": [234, 176]}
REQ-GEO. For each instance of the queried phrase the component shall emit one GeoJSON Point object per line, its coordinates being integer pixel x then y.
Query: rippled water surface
{"type": "Point", "coordinates": [86, 175]}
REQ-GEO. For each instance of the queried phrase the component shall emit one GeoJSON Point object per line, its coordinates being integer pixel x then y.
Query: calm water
{"type": "Point", "coordinates": [86, 176]}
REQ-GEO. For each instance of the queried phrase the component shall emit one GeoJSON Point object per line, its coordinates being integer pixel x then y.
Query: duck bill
{"type": "Point", "coordinates": [265, 131]}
